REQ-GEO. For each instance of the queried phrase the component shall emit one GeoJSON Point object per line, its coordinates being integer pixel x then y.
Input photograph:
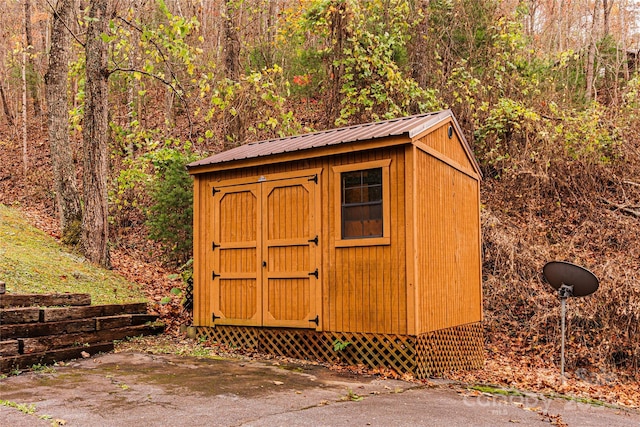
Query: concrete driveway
{"type": "Point", "coordinates": [138, 389]}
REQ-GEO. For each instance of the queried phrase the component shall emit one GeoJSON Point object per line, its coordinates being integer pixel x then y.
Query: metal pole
{"type": "Point", "coordinates": [564, 312]}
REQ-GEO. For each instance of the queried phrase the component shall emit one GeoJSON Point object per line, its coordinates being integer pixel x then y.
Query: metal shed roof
{"type": "Point", "coordinates": [409, 126]}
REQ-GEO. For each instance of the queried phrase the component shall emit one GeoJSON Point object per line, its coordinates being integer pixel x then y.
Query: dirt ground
{"type": "Point", "coordinates": [141, 389]}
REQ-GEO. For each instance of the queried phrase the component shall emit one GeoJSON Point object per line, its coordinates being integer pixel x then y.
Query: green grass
{"type": "Point", "coordinates": [496, 390]}
{"type": "Point", "coordinates": [33, 262]}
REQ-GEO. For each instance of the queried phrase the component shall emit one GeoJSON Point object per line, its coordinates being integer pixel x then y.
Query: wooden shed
{"type": "Point", "coordinates": [360, 243]}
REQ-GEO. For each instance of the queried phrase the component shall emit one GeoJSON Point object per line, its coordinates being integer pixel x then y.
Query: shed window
{"type": "Point", "coordinates": [362, 204]}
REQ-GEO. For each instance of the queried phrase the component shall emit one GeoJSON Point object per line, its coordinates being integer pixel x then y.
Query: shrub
{"type": "Point", "coordinates": [170, 216]}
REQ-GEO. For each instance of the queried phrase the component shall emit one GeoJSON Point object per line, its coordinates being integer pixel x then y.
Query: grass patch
{"type": "Point", "coordinates": [496, 390]}
{"type": "Point", "coordinates": [28, 409]}
{"type": "Point", "coordinates": [583, 400]}
{"type": "Point", "coordinates": [33, 262]}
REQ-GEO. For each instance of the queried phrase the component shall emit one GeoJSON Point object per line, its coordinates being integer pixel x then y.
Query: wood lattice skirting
{"type": "Point", "coordinates": [456, 348]}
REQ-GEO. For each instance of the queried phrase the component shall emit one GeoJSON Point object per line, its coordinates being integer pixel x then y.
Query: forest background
{"type": "Point", "coordinates": [547, 93]}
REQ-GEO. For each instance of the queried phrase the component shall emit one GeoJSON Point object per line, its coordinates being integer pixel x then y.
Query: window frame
{"type": "Point", "coordinates": [385, 239]}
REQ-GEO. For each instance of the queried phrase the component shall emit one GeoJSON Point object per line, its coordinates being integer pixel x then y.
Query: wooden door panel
{"type": "Point", "coordinates": [288, 210]}
{"type": "Point", "coordinates": [237, 300]}
{"type": "Point", "coordinates": [289, 253]}
{"type": "Point", "coordinates": [289, 299]}
{"type": "Point", "coordinates": [236, 289]}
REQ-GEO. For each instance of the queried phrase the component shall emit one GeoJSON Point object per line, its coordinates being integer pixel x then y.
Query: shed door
{"type": "Point", "coordinates": [265, 254]}
{"type": "Point", "coordinates": [235, 287]}
{"type": "Point", "coordinates": [290, 249]}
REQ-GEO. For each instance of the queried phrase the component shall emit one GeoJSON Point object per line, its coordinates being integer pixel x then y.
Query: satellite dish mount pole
{"type": "Point", "coordinates": [565, 291]}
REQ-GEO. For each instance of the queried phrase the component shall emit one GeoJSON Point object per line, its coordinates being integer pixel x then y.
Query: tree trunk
{"type": "Point", "coordinates": [623, 37]}
{"type": "Point", "coordinates": [339, 23]}
{"type": "Point", "coordinates": [25, 159]}
{"type": "Point", "coordinates": [607, 5]}
{"type": "Point", "coordinates": [419, 46]}
{"type": "Point", "coordinates": [591, 56]}
{"type": "Point", "coordinates": [32, 82]}
{"type": "Point", "coordinates": [5, 106]}
{"type": "Point", "coordinates": [232, 42]}
{"type": "Point", "coordinates": [233, 127]}
{"type": "Point", "coordinates": [169, 118]}
{"type": "Point", "coordinates": [95, 229]}
{"type": "Point", "coordinates": [64, 173]}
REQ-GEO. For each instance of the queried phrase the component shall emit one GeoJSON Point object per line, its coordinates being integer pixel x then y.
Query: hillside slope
{"type": "Point", "coordinates": [33, 262]}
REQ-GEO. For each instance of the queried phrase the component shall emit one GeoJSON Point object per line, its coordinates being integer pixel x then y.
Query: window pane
{"type": "Point", "coordinates": [352, 213]}
{"type": "Point", "coordinates": [372, 176]}
{"type": "Point", "coordinates": [362, 203]}
{"type": "Point", "coordinates": [375, 212]}
{"type": "Point", "coordinates": [351, 179]}
{"type": "Point", "coordinates": [352, 222]}
{"type": "Point", "coordinates": [372, 228]}
{"type": "Point", "coordinates": [374, 194]}
{"type": "Point", "coordinates": [352, 195]}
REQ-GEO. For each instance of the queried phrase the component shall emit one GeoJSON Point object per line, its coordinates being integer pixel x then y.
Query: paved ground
{"type": "Point", "coordinates": [135, 389]}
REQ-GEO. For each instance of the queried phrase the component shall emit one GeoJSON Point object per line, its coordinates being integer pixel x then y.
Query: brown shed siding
{"type": "Point", "coordinates": [363, 288]}
{"type": "Point", "coordinates": [448, 245]}
{"type": "Point", "coordinates": [450, 148]}
{"type": "Point", "coordinates": [366, 285]}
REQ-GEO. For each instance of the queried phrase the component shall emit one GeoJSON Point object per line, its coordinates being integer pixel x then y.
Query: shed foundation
{"type": "Point", "coordinates": [456, 348]}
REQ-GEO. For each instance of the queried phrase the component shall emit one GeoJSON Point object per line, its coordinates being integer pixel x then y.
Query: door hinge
{"type": "Point", "coordinates": [214, 246]}
{"type": "Point", "coordinates": [314, 273]}
{"type": "Point", "coordinates": [314, 240]}
{"type": "Point", "coordinates": [316, 320]}
{"type": "Point", "coordinates": [214, 275]}
{"type": "Point", "coordinates": [214, 191]}
{"type": "Point", "coordinates": [314, 178]}
{"type": "Point", "coordinates": [214, 317]}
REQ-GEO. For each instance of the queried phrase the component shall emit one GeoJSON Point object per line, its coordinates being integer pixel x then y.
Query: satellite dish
{"type": "Point", "coordinates": [581, 281]}
{"type": "Point", "coordinates": [569, 280]}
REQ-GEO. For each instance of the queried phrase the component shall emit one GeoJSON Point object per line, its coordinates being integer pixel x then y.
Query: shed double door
{"type": "Point", "coordinates": [265, 254]}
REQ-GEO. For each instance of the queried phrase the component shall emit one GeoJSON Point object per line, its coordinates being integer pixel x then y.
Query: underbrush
{"type": "Point", "coordinates": [573, 211]}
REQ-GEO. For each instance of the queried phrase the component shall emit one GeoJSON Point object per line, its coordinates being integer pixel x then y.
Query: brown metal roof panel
{"type": "Point", "coordinates": [406, 125]}
{"type": "Point", "coordinates": [422, 125]}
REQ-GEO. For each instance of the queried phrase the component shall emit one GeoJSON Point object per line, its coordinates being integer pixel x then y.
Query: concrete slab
{"type": "Point", "coordinates": [140, 389]}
